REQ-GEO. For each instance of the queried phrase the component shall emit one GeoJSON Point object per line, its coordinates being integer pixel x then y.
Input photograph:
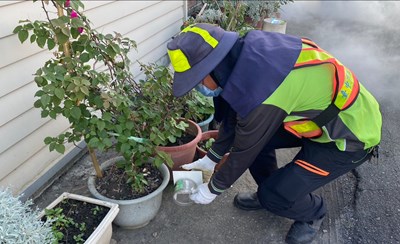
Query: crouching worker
{"type": "Point", "coordinates": [274, 91]}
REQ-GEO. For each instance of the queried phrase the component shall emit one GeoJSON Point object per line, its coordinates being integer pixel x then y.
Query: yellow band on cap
{"type": "Point", "coordinates": [203, 33]}
{"type": "Point", "coordinates": [178, 60]}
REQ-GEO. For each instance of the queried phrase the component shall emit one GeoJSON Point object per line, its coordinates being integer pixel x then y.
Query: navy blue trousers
{"type": "Point", "coordinates": [287, 191]}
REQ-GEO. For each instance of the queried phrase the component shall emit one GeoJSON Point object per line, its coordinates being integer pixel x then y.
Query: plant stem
{"type": "Point", "coordinates": [96, 165]}
{"type": "Point", "coordinates": [60, 12]}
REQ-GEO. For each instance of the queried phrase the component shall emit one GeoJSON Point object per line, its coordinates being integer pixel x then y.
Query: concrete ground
{"type": "Point", "coordinates": [363, 205]}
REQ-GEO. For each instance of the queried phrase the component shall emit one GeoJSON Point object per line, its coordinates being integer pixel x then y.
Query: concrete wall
{"type": "Point", "coordinates": [25, 162]}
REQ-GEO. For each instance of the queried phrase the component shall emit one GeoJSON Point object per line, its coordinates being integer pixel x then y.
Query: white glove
{"type": "Point", "coordinates": [204, 164]}
{"type": "Point", "coordinates": [203, 195]}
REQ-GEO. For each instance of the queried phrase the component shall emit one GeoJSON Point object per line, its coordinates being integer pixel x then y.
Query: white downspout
{"type": "Point", "coordinates": [185, 10]}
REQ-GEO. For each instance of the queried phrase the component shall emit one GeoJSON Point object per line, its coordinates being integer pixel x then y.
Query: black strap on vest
{"type": "Point", "coordinates": [327, 115]}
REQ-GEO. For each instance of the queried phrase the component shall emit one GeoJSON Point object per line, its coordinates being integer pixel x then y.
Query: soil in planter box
{"type": "Point", "coordinates": [85, 219]}
{"type": "Point", "coordinates": [113, 184]}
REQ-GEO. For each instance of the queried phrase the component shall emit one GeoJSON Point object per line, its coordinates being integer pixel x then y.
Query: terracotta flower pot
{"type": "Point", "coordinates": [184, 154]}
{"type": "Point", "coordinates": [201, 152]}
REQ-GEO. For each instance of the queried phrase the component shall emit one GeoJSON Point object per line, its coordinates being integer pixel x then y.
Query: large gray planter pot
{"type": "Point", "coordinates": [138, 212]}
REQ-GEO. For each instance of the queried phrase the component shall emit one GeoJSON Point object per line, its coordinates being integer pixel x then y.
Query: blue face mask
{"type": "Point", "coordinates": [207, 91]}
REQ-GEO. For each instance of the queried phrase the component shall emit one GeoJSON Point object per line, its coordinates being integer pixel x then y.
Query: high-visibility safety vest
{"type": "Point", "coordinates": [345, 91]}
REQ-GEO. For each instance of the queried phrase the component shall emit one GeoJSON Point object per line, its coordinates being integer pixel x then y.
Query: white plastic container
{"type": "Point", "coordinates": [183, 189]}
{"type": "Point", "coordinates": [186, 183]}
{"type": "Point", "coordinates": [274, 25]}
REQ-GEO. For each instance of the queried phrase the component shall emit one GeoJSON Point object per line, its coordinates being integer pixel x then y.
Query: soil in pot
{"type": "Point", "coordinates": [77, 221]}
{"type": "Point", "coordinates": [184, 139]}
{"type": "Point", "coordinates": [114, 182]}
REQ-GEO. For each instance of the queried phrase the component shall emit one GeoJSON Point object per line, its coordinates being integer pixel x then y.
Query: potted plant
{"type": "Point", "coordinates": [240, 16]}
{"type": "Point", "coordinates": [258, 11]}
{"type": "Point", "coordinates": [163, 117]}
{"type": "Point", "coordinates": [88, 82]}
{"type": "Point", "coordinates": [199, 109]}
{"type": "Point", "coordinates": [80, 219]}
{"type": "Point", "coordinates": [205, 143]}
{"type": "Point", "coordinates": [156, 122]}
{"type": "Point", "coordinates": [68, 219]}
{"type": "Point", "coordinates": [230, 15]}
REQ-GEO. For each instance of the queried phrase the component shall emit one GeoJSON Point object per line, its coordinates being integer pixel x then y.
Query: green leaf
{"type": "Point", "coordinates": [57, 22]}
{"type": "Point", "coordinates": [33, 38]}
{"type": "Point", "coordinates": [76, 113]}
{"type": "Point", "coordinates": [115, 47]}
{"type": "Point", "coordinates": [107, 116]}
{"type": "Point", "coordinates": [84, 90]}
{"type": "Point", "coordinates": [101, 146]}
{"type": "Point", "coordinates": [80, 95]}
{"type": "Point", "coordinates": [110, 51]}
{"type": "Point", "coordinates": [29, 26]}
{"type": "Point", "coordinates": [45, 99]}
{"type": "Point", "coordinates": [107, 142]}
{"type": "Point", "coordinates": [76, 4]}
{"type": "Point", "coordinates": [60, 148]}
{"type": "Point", "coordinates": [172, 138]}
{"type": "Point", "coordinates": [61, 38]}
{"type": "Point", "coordinates": [93, 142]}
{"type": "Point", "coordinates": [129, 125]}
{"type": "Point", "coordinates": [66, 31]}
{"type": "Point", "coordinates": [23, 35]}
{"type": "Point", "coordinates": [125, 147]}
{"type": "Point", "coordinates": [52, 146]}
{"type": "Point", "coordinates": [50, 43]}
{"type": "Point", "coordinates": [101, 125]}
{"type": "Point", "coordinates": [84, 57]}
{"type": "Point", "coordinates": [41, 41]}
{"type": "Point", "coordinates": [17, 29]}
{"type": "Point", "coordinates": [75, 33]}
{"type": "Point", "coordinates": [39, 80]}
{"type": "Point", "coordinates": [68, 104]}
{"type": "Point", "coordinates": [44, 113]}
{"type": "Point", "coordinates": [48, 140]}
{"type": "Point", "coordinates": [98, 102]}
{"type": "Point", "coordinates": [53, 114]}
{"type": "Point", "coordinates": [76, 22]}
{"type": "Point", "coordinates": [108, 37]}
{"type": "Point", "coordinates": [37, 103]}
{"type": "Point", "coordinates": [59, 93]}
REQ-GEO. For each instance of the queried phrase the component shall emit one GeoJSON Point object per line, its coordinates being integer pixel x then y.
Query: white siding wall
{"type": "Point", "coordinates": [24, 159]}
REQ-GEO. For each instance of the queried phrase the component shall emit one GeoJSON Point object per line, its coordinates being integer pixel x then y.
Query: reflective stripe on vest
{"type": "Point", "coordinates": [345, 89]}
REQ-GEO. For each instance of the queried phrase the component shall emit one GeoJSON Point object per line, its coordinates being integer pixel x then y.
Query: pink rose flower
{"type": "Point", "coordinates": [67, 3]}
{"type": "Point", "coordinates": [74, 14]}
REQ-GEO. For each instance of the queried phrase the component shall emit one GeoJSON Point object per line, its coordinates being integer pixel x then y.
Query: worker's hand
{"type": "Point", "coordinates": [203, 164]}
{"type": "Point", "coordinates": [203, 195]}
